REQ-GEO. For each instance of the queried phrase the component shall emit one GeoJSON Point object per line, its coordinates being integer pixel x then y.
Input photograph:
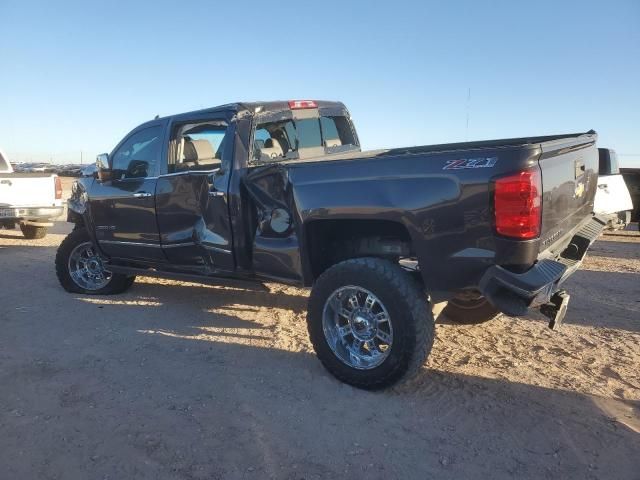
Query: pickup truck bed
{"type": "Point", "coordinates": [445, 204]}
{"type": "Point", "coordinates": [280, 191]}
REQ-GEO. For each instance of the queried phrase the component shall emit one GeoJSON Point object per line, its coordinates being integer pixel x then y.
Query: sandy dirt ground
{"type": "Point", "coordinates": [177, 380]}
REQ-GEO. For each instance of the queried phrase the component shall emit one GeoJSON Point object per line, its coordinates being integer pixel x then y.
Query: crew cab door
{"type": "Point", "coordinates": [123, 209]}
{"type": "Point", "coordinates": [192, 198]}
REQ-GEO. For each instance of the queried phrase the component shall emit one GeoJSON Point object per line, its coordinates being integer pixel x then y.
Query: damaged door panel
{"type": "Point", "coordinates": [194, 222]}
{"type": "Point", "coordinates": [276, 252]}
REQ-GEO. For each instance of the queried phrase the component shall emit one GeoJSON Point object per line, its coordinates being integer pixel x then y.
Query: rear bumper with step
{"type": "Point", "coordinates": [514, 293]}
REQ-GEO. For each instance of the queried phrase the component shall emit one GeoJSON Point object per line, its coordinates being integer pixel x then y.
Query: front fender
{"type": "Point", "coordinates": [79, 211]}
{"type": "Point", "coordinates": [77, 202]}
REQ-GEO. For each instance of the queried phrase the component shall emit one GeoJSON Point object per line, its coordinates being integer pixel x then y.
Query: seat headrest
{"type": "Point", "coordinates": [272, 148]}
{"type": "Point", "coordinates": [332, 142]}
{"type": "Point", "coordinates": [195, 150]}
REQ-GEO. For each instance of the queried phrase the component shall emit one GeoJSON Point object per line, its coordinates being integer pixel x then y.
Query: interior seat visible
{"type": "Point", "coordinates": [272, 148]}
{"type": "Point", "coordinates": [199, 153]}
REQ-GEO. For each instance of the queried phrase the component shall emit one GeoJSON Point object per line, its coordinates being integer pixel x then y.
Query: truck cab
{"type": "Point", "coordinates": [173, 191]}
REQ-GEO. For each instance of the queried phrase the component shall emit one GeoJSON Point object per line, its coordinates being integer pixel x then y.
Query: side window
{"type": "Point", "coordinates": [262, 135]}
{"type": "Point", "coordinates": [139, 156]}
{"type": "Point", "coordinates": [199, 147]}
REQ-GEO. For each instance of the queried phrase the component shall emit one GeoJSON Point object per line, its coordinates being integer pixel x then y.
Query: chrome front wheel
{"type": "Point", "coordinates": [86, 268]}
{"type": "Point", "coordinates": [357, 327]}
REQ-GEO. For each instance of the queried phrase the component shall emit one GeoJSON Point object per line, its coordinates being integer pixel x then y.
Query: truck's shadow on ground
{"type": "Point", "coordinates": [619, 249]}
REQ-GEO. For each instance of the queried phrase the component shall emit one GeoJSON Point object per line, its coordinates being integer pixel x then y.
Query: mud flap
{"type": "Point", "coordinates": [556, 309]}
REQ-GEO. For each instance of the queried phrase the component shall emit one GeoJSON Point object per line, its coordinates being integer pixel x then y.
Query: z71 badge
{"type": "Point", "coordinates": [486, 162]}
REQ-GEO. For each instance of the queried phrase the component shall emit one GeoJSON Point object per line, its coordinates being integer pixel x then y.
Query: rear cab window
{"type": "Point", "coordinates": [296, 135]}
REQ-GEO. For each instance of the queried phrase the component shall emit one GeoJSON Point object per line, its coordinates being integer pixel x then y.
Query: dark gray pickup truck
{"type": "Point", "coordinates": [280, 191]}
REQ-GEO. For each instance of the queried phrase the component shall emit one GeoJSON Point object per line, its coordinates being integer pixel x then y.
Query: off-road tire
{"type": "Point", "coordinates": [31, 232]}
{"type": "Point", "coordinates": [406, 302]}
{"type": "Point", "coordinates": [119, 283]}
{"type": "Point", "coordinates": [481, 313]}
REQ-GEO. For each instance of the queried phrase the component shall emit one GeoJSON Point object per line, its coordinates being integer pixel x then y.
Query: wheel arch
{"type": "Point", "coordinates": [327, 242]}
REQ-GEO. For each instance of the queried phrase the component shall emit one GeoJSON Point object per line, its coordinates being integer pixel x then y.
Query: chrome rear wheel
{"type": "Point", "coordinates": [357, 327]}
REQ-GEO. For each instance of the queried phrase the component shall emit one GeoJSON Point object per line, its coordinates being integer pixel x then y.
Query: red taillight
{"type": "Point", "coordinates": [299, 104]}
{"type": "Point", "coordinates": [58, 188]}
{"type": "Point", "coordinates": [518, 204]}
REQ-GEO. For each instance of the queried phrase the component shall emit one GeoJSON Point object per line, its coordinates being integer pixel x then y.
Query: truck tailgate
{"type": "Point", "coordinates": [569, 182]}
{"type": "Point", "coordinates": [26, 190]}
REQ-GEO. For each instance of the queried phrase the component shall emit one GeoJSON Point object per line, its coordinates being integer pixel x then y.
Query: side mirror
{"type": "Point", "coordinates": [104, 169]}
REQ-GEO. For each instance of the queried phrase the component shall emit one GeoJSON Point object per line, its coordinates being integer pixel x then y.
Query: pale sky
{"type": "Point", "coordinates": [77, 76]}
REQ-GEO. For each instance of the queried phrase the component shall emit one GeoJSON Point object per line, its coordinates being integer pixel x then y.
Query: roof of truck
{"type": "Point", "coordinates": [253, 107]}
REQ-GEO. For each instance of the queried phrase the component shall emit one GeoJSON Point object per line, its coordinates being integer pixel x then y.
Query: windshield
{"type": "Point", "coordinates": [303, 138]}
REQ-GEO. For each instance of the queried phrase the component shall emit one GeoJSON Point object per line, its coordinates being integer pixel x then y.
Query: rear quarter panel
{"type": "Point", "coordinates": [447, 213]}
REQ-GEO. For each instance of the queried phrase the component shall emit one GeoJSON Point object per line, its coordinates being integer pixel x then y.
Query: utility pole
{"type": "Point", "coordinates": [80, 157]}
{"type": "Point", "coordinates": [466, 135]}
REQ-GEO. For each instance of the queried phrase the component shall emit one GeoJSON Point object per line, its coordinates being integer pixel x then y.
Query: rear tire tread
{"type": "Point", "coordinates": [31, 232]}
{"type": "Point", "coordinates": [420, 317]}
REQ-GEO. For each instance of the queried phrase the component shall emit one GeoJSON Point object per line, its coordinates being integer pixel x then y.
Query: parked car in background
{"type": "Point", "coordinates": [280, 191]}
{"type": "Point", "coordinates": [38, 168]}
{"type": "Point", "coordinates": [70, 170]}
{"type": "Point", "coordinates": [31, 201]}
{"type": "Point", "coordinates": [19, 167]}
{"type": "Point", "coordinates": [612, 197]}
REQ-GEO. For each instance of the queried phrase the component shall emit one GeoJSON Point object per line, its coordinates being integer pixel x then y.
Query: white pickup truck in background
{"type": "Point", "coordinates": [32, 201]}
{"type": "Point", "coordinates": [612, 197]}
